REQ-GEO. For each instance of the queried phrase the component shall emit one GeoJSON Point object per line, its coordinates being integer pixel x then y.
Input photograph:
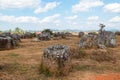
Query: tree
{"type": "Point", "coordinates": [10, 30]}
{"type": "Point", "coordinates": [48, 31]}
{"type": "Point", "coordinates": [101, 27]}
{"type": "Point", "coordinates": [18, 30]}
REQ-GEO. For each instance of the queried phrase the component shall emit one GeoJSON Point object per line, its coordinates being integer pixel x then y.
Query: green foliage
{"type": "Point", "coordinates": [10, 30]}
{"type": "Point", "coordinates": [48, 30]}
{"type": "Point", "coordinates": [18, 31]}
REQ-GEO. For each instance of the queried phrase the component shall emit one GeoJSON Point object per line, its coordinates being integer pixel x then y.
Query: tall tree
{"type": "Point", "coordinates": [18, 30]}
{"type": "Point", "coordinates": [10, 30]}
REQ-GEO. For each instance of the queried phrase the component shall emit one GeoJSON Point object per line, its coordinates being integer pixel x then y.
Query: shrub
{"type": "Point", "coordinates": [47, 31]}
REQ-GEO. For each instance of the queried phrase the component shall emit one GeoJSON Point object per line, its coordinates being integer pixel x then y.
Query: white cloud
{"type": "Point", "coordinates": [93, 18]}
{"type": "Point", "coordinates": [115, 19]}
{"type": "Point", "coordinates": [72, 17]}
{"type": "Point", "coordinates": [85, 5]}
{"type": "Point", "coordinates": [21, 19]}
{"type": "Point", "coordinates": [48, 6]}
{"type": "Point", "coordinates": [50, 18]}
{"type": "Point", "coordinates": [30, 19]}
{"type": "Point", "coordinates": [113, 7]}
{"type": "Point", "coordinates": [57, 21]}
{"type": "Point", "coordinates": [18, 3]}
{"type": "Point", "coordinates": [6, 18]}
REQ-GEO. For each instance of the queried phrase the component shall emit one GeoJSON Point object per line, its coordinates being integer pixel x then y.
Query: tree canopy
{"type": "Point", "coordinates": [48, 30]}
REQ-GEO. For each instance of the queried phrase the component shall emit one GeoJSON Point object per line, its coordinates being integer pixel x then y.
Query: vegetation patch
{"type": "Point", "coordinates": [13, 55]}
{"type": "Point", "coordinates": [78, 53]}
{"type": "Point", "coordinates": [52, 68]}
{"type": "Point", "coordinates": [78, 67]}
{"type": "Point", "coordinates": [101, 55]}
{"type": "Point", "coordinates": [45, 70]}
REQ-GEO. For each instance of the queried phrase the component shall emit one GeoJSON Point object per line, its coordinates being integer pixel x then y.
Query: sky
{"type": "Point", "coordinates": [59, 14]}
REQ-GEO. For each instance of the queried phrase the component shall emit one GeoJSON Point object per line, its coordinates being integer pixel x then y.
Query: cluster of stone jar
{"type": "Point", "coordinates": [101, 40]}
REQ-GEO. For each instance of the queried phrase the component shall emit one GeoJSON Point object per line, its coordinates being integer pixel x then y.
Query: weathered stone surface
{"type": "Point", "coordinates": [44, 36]}
{"type": "Point", "coordinates": [107, 38]}
{"type": "Point", "coordinates": [80, 34]}
{"type": "Point", "coordinates": [57, 57]}
{"type": "Point", "coordinates": [6, 43]}
{"type": "Point", "coordinates": [101, 40]}
{"type": "Point", "coordinates": [101, 46]}
{"type": "Point", "coordinates": [88, 41]}
{"type": "Point", "coordinates": [26, 35]}
{"type": "Point", "coordinates": [9, 41]}
{"type": "Point", "coordinates": [62, 34]}
{"type": "Point", "coordinates": [117, 33]}
{"type": "Point", "coordinates": [57, 52]}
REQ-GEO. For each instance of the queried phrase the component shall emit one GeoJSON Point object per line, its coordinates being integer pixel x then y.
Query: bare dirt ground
{"type": "Point", "coordinates": [23, 63]}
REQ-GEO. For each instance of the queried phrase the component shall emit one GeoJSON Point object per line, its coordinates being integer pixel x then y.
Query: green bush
{"type": "Point", "coordinates": [48, 31]}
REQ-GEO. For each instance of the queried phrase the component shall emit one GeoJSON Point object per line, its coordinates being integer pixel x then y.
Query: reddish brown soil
{"type": "Point", "coordinates": [109, 76]}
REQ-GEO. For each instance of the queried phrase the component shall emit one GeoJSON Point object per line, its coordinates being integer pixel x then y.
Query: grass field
{"type": "Point", "coordinates": [23, 62]}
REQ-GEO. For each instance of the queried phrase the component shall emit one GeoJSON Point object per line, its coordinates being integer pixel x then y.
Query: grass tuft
{"type": "Point", "coordinates": [13, 54]}
{"type": "Point", "coordinates": [78, 53]}
{"type": "Point", "coordinates": [44, 70]}
{"type": "Point", "coordinates": [103, 55]}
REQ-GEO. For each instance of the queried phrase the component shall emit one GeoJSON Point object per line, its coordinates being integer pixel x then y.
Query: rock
{"type": "Point", "coordinates": [44, 36]}
{"type": "Point", "coordinates": [57, 57]}
{"type": "Point", "coordinates": [101, 40]}
{"type": "Point", "coordinates": [80, 34]}
{"type": "Point", "coordinates": [9, 41]}
{"type": "Point", "coordinates": [62, 35]}
{"type": "Point", "coordinates": [101, 46]}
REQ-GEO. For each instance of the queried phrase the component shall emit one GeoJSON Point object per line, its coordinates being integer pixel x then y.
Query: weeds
{"type": "Point", "coordinates": [103, 55]}
{"type": "Point", "coordinates": [13, 54]}
{"type": "Point", "coordinates": [44, 70]}
{"type": "Point", "coordinates": [54, 70]}
{"type": "Point", "coordinates": [78, 53]}
{"type": "Point", "coordinates": [79, 67]}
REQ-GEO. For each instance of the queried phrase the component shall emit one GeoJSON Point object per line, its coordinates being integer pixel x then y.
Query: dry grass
{"type": "Point", "coordinates": [23, 62]}
{"type": "Point", "coordinates": [103, 55]}
{"type": "Point", "coordinates": [78, 53]}
{"type": "Point", "coordinates": [50, 68]}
